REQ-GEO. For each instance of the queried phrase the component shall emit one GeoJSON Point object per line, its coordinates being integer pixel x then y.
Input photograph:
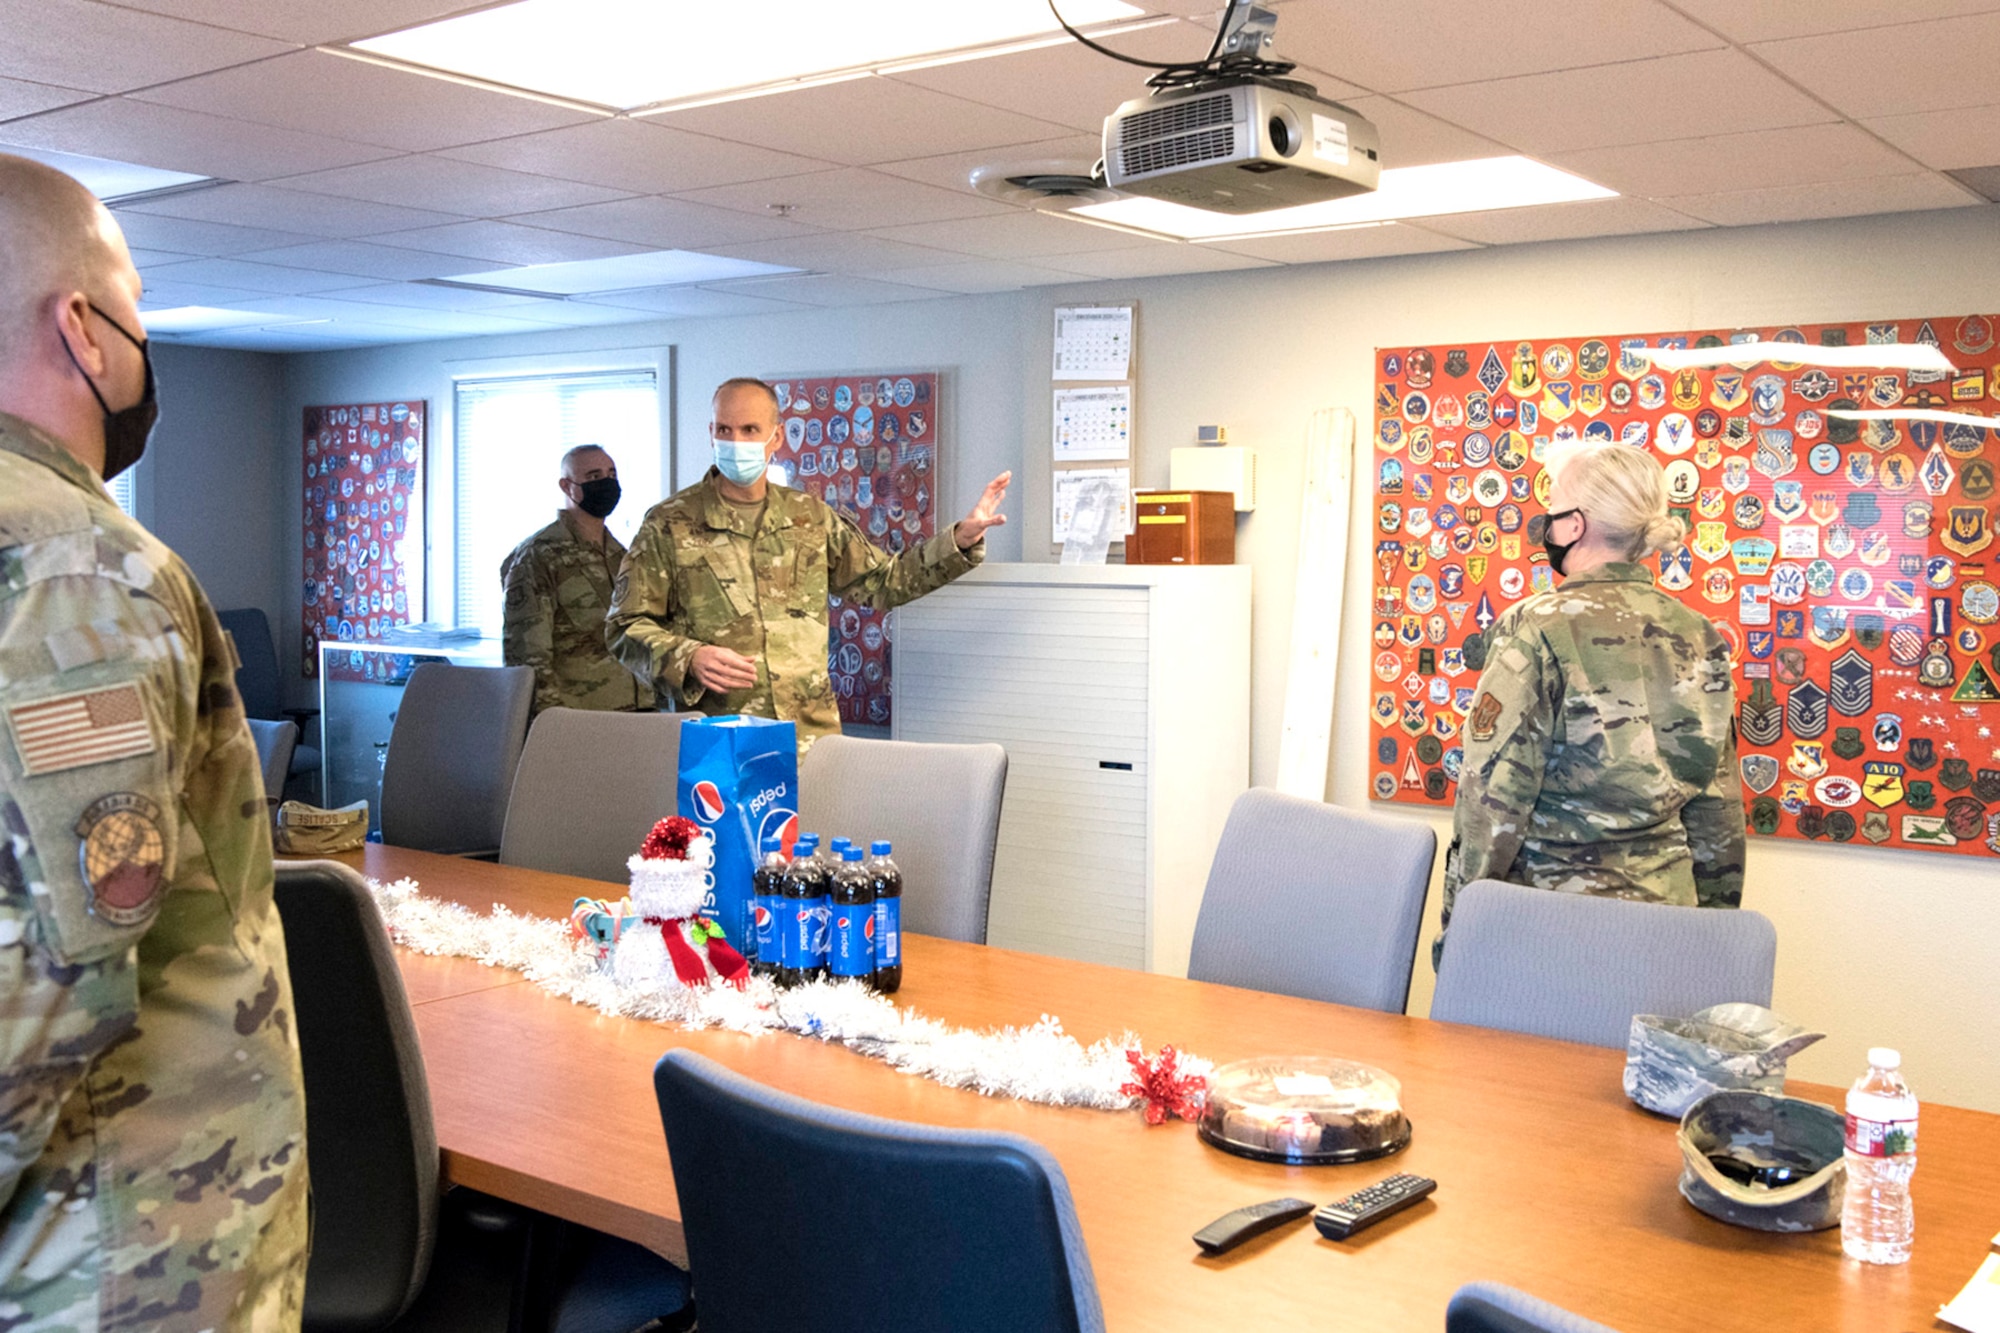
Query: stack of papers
{"type": "Point", "coordinates": [1976, 1308]}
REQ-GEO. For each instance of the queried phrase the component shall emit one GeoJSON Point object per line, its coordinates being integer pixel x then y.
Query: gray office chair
{"type": "Point", "coordinates": [1577, 967]}
{"type": "Point", "coordinates": [275, 744]}
{"type": "Point", "coordinates": [1488, 1307]}
{"type": "Point", "coordinates": [589, 787]}
{"type": "Point", "coordinates": [1313, 900]}
{"type": "Point", "coordinates": [261, 689]}
{"type": "Point", "coordinates": [939, 805]}
{"type": "Point", "coordinates": [452, 756]}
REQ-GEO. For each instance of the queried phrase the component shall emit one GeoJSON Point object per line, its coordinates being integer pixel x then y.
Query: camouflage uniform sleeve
{"type": "Point", "coordinates": [864, 573]}
{"type": "Point", "coordinates": [527, 634]}
{"type": "Point", "coordinates": [71, 656]}
{"type": "Point", "coordinates": [1713, 819]}
{"type": "Point", "coordinates": [1507, 741]}
{"type": "Point", "coordinates": [642, 608]}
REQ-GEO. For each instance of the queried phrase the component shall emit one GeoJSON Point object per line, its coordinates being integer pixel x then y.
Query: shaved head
{"type": "Point", "coordinates": [55, 238]}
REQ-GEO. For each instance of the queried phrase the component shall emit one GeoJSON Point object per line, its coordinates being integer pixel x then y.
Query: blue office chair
{"type": "Point", "coordinates": [1309, 899]}
{"type": "Point", "coordinates": [1488, 1307]}
{"type": "Point", "coordinates": [816, 1220]}
{"type": "Point", "coordinates": [1577, 967]}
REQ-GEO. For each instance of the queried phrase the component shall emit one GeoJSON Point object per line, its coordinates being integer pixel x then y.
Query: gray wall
{"type": "Point", "coordinates": [1877, 947]}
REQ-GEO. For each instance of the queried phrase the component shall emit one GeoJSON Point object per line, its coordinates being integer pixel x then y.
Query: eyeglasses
{"type": "Point", "coordinates": [1770, 1175]}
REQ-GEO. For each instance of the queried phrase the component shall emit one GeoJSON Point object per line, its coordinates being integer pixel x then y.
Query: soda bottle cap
{"type": "Point", "coordinates": [772, 845]}
{"type": "Point", "coordinates": [806, 842]}
{"type": "Point", "coordinates": [879, 848]}
{"type": "Point", "coordinates": [842, 844]}
{"type": "Point", "coordinates": [1884, 1057]}
{"type": "Point", "coordinates": [850, 853]}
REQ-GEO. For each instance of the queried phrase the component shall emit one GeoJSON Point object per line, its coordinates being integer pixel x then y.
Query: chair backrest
{"type": "Point", "coordinates": [275, 742]}
{"type": "Point", "coordinates": [939, 805]}
{"type": "Point", "coordinates": [1489, 1307]}
{"type": "Point", "coordinates": [817, 1220]}
{"type": "Point", "coordinates": [257, 677]}
{"type": "Point", "coordinates": [1577, 967]}
{"type": "Point", "coordinates": [369, 1135]}
{"type": "Point", "coordinates": [1314, 900]}
{"type": "Point", "coordinates": [589, 787]}
{"type": "Point", "coordinates": [452, 755]}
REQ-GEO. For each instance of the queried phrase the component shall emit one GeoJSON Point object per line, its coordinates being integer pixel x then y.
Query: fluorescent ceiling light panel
{"type": "Point", "coordinates": [1920, 414]}
{"type": "Point", "coordinates": [1867, 356]}
{"type": "Point", "coordinates": [1477, 186]}
{"type": "Point", "coordinates": [637, 53]}
{"type": "Point", "coordinates": [578, 277]}
{"type": "Point", "coordinates": [207, 319]}
{"type": "Point", "coordinates": [106, 179]}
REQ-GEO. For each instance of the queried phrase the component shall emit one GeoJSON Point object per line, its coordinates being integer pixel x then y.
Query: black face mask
{"type": "Point", "coordinates": [1558, 551]}
{"type": "Point", "coordinates": [127, 429]}
{"type": "Point", "coordinates": [599, 497]}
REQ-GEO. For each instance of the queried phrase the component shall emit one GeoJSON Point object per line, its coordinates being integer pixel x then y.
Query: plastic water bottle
{"type": "Point", "coordinates": [1876, 1221]}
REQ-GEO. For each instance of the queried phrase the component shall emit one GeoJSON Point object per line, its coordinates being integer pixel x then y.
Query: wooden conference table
{"type": "Point", "coordinates": [1549, 1180]}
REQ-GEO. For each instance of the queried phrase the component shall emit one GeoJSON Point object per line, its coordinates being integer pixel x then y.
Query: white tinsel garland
{"type": "Point", "coordinates": [1039, 1063]}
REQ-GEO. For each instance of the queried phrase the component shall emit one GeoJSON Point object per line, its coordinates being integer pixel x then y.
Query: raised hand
{"type": "Point", "coordinates": [986, 514]}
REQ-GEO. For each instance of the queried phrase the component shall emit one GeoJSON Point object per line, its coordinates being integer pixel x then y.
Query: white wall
{"type": "Point", "coordinates": [1875, 947]}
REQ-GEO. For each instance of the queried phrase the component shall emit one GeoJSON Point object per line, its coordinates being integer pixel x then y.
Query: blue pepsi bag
{"type": "Point", "coordinates": [739, 779]}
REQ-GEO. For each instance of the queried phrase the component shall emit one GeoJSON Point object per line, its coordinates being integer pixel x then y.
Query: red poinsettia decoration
{"type": "Point", "coordinates": [670, 839]}
{"type": "Point", "coordinates": [1167, 1091]}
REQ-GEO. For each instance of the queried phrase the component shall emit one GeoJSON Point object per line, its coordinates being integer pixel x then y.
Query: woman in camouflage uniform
{"type": "Point", "coordinates": [1600, 754]}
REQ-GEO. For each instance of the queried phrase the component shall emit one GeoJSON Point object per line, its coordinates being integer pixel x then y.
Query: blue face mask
{"type": "Point", "coordinates": [742, 461]}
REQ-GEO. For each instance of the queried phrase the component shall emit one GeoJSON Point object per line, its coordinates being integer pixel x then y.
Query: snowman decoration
{"type": "Point", "coordinates": [671, 943]}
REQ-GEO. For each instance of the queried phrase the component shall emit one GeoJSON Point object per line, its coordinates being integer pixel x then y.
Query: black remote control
{"type": "Point", "coordinates": [1232, 1229]}
{"type": "Point", "coordinates": [1364, 1208]}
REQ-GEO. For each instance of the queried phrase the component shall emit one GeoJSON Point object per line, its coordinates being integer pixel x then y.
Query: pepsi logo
{"type": "Point", "coordinates": [868, 927]}
{"type": "Point", "coordinates": [708, 805]}
{"type": "Point", "coordinates": [782, 825]}
{"type": "Point", "coordinates": [761, 916]}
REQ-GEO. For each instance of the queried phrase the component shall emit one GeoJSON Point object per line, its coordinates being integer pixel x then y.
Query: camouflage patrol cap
{"type": "Point", "coordinates": [1734, 1142]}
{"type": "Point", "coordinates": [1672, 1063]}
{"type": "Point", "coordinates": [307, 830]}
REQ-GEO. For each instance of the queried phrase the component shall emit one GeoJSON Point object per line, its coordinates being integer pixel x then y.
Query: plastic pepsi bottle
{"type": "Point", "coordinates": [767, 906]}
{"type": "Point", "coordinates": [794, 928]}
{"type": "Point", "coordinates": [836, 852]}
{"type": "Point", "coordinates": [887, 884]}
{"type": "Point", "coordinates": [852, 897]}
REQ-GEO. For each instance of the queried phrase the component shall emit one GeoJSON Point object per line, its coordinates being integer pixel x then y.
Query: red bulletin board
{"type": "Point", "coordinates": [868, 446]}
{"type": "Point", "coordinates": [1850, 564]}
{"type": "Point", "coordinates": [364, 537]}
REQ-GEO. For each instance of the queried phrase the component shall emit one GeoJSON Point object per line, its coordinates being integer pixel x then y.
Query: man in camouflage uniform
{"type": "Point", "coordinates": [152, 1111]}
{"type": "Point", "coordinates": [558, 586]}
{"type": "Point", "coordinates": [722, 600]}
{"type": "Point", "coordinates": [1600, 753]}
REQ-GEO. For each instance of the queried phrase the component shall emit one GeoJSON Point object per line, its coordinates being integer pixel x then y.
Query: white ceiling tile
{"type": "Point", "coordinates": [308, 22]}
{"type": "Point", "coordinates": [1363, 243]}
{"type": "Point", "coordinates": [176, 140]}
{"type": "Point", "coordinates": [953, 171]}
{"type": "Point", "coordinates": [1412, 138]}
{"type": "Point", "coordinates": [1019, 235]}
{"type": "Point", "coordinates": [145, 259]}
{"type": "Point", "coordinates": [1068, 83]}
{"type": "Point", "coordinates": [1394, 45]}
{"type": "Point", "coordinates": [1158, 259]}
{"type": "Point", "coordinates": [162, 294]}
{"type": "Point", "coordinates": [465, 188]}
{"type": "Point", "coordinates": [578, 315]}
{"type": "Point", "coordinates": [1641, 101]}
{"type": "Point", "coordinates": [247, 276]}
{"type": "Point", "coordinates": [1561, 222]}
{"type": "Point", "coordinates": [636, 156]}
{"type": "Point", "coordinates": [692, 303]}
{"type": "Point", "coordinates": [290, 210]}
{"type": "Point", "coordinates": [1832, 199]}
{"type": "Point", "coordinates": [832, 289]}
{"type": "Point", "coordinates": [1763, 20]}
{"type": "Point", "coordinates": [363, 259]}
{"type": "Point", "coordinates": [83, 44]}
{"type": "Point", "coordinates": [1761, 159]}
{"type": "Point", "coordinates": [18, 97]}
{"type": "Point", "coordinates": [507, 243]}
{"type": "Point", "coordinates": [664, 224]}
{"type": "Point", "coordinates": [847, 252]}
{"type": "Point", "coordinates": [439, 322]}
{"type": "Point", "coordinates": [849, 199]}
{"type": "Point", "coordinates": [1947, 140]}
{"type": "Point", "coordinates": [311, 90]}
{"type": "Point", "coordinates": [862, 121]}
{"type": "Point", "coordinates": [1930, 66]}
{"type": "Point", "coordinates": [984, 275]}
{"type": "Point", "coordinates": [151, 231]}
{"type": "Point", "coordinates": [422, 296]}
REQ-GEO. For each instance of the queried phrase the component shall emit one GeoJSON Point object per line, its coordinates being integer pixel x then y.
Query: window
{"type": "Point", "coordinates": [509, 439]}
{"type": "Point", "coordinates": [123, 491]}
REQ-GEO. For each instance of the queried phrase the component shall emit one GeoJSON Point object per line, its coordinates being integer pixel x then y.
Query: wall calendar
{"type": "Point", "coordinates": [1850, 564]}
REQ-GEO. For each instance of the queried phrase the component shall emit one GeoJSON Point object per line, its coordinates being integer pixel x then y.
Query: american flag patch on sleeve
{"type": "Point", "coordinates": [93, 727]}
